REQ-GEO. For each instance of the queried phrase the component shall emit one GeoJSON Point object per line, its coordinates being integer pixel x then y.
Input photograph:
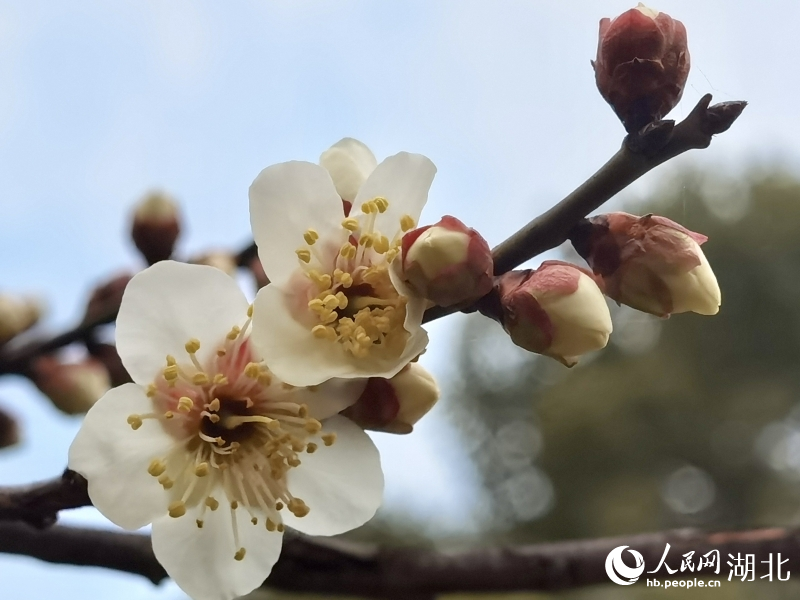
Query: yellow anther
{"type": "Point", "coordinates": [350, 224]}
{"type": "Point", "coordinates": [297, 507]}
{"type": "Point", "coordinates": [212, 503]}
{"type": "Point", "coordinates": [407, 223]}
{"type": "Point", "coordinates": [213, 406]}
{"type": "Point", "coordinates": [221, 352]}
{"type": "Point", "coordinates": [185, 404]}
{"type": "Point", "coordinates": [214, 418]}
{"type": "Point", "coordinates": [316, 304]}
{"type": "Point", "coordinates": [368, 207]}
{"type": "Point", "coordinates": [313, 426]}
{"type": "Point", "coordinates": [234, 504]}
{"type": "Point", "coordinates": [342, 300]}
{"type": "Point", "coordinates": [177, 509]}
{"type": "Point", "coordinates": [265, 379]}
{"type": "Point", "coordinates": [234, 333]}
{"type": "Point", "coordinates": [347, 250]}
{"type": "Point", "coordinates": [151, 390]}
{"type": "Point", "coordinates": [157, 467]}
{"type": "Point", "coordinates": [320, 331]}
{"type": "Point", "coordinates": [382, 204]}
{"type": "Point", "coordinates": [171, 372]}
{"type": "Point", "coordinates": [329, 438]}
{"type": "Point", "coordinates": [274, 425]}
{"type": "Point", "coordinates": [252, 370]}
{"type": "Point", "coordinates": [270, 525]}
{"type": "Point", "coordinates": [166, 482]}
{"type": "Point", "coordinates": [199, 523]}
{"type": "Point", "coordinates": [310, 236]}
{"type": "Point", "coordinates": [200, 379]}
{"type": "Point", "coordinates": [201, 470]}
{"type": "Point", "coordinates": [254, 520]}
{"type": "Point", "coordinates": [304, 254]}
{"type": "Point", "coordinates": [391, 255]}
{"type": "Point", "coordinates": [135, 421]}
{"type": "Point", "coordinates": [279, 505]}
{"type": "Point", "coordinates": [381, 244]}
{"type": "Point", "coordinates": [311, 448]}
{"type": "Point", "coordinates": [250, 311]}
{"type": "Point", "coordinates": [280, 528]}
{"type": "Point", "coordinates": [293, 462]}
{"type": "Point", "coordinates": [324, 281]}
{"type": "Point", "coordinates": [331, 302]}
{"type": "Point", "coordinates": [220, 379]}
{"type": "Point", "coordinates": [171, 360]}
{"type": "Point", "coordinates": [192, 346]}
{"type": "Point", "coordinates": [302, 411]}
{"type": "Point", "coordinates": [169, 414]}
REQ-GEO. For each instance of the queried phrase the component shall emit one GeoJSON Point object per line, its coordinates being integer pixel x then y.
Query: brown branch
{"type": "Point", "coordinates": [654, 145]}
{"type": "Point", "coordinates": [38, 504]}
{"type": "Point", "coordinates": [336, 567]}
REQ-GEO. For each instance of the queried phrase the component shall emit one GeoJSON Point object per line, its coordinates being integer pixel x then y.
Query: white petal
{"type": "Point", "coordinates": [329, 398]}
{"type": "Point", "coordinates": [201, 560]}
{"type": "Point", "coordinates": [169, 303]}
{"type": "Point", "coordinates": [404, 180]}
{"type": "Point", "coordinates": [114, 458]}
{"type": "Point", "coordinates": [349, 163]}
{"type": "Point", "coordinates": [581, 320]}
{"type": "Point", "coordinates": [298, 358]}
{"type": "Point", "coordinates": [342, 484]}
{"type": "Point", "coordinates": [286, 200]}
{"type": "Point", "coordinates": [696, 290]}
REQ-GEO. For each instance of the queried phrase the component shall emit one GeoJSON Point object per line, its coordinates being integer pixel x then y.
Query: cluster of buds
{"type": "Point", "coordinates": [557, 310]}
{"type": "Point", "coordinates": [72, 387]}
{"type": "Point", "coordinates": [448, 263]}
{"type": "Point", "coordinates": [642, 65]}
{"type": "Point", "coordinates": [395, 405]}
{"type": "Point", "coordinates": [650, 263]}
{"type": "Point", "coordinates": [156, 226]}
{"type": "Point", "coordinates": [17, 315]}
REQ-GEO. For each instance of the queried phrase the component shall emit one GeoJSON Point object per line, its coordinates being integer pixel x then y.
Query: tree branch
{"type": "Point", "coordinates": [38, 504]}
{"type": "Point", "coordinates": [654, 145]}
{"type": "Point", "coordinates": [337, 567]}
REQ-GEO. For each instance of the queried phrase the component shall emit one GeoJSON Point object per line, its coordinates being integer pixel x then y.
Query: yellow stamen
{"type": "Point", "coordinates": [185, 404]}
{"type": "Point", "coordinates": [239, 554]}
{"type": "Point", "coordinates": [303, 254]}
{"type": "Point", "coordinates": [192, 346]}
{"type": "Point", "coordinates": [156, 468]}
{"type": "Point", "coordinates": [310, 236]}
{"type": "Point", "coordinates": [212, 503]}
{"type": "Point", "coordinates": [135, 421]}
{"type": "Point", "coordinates": [329, 438]}
{"type": "Point", "coordinates": [201, 470]}
{"type": "Point", "coordinates": [177, 509]}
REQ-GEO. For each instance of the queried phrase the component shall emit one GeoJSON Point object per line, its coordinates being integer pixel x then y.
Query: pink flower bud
{"type": "Point", "coordinates": [72, 387]}
{"type": "Point", "coordinates": [156, 227]}
{"type": "Point", "coordinates": [395, 405]}
{"type": "Point", "coordinates": [556, 310]}
{"type": "Point", "coordinates": [642, 65]}
{"type": "Point", "coordinates": [17, 315]}
{"type": "Point", "coordinates": [649, 263]}
{"type": "Point", "coordinates": [447, 263]}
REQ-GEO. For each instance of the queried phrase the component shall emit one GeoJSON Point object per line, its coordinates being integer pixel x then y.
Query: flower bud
{"type": "Point", "coordinates": [447, 263]}
{"type": "Point", "coordinates": [395, 405]}
{"type": "Point", "coordinates": [557, 310]}
{"type": "Point", "coordinates": [156, 226]}
{"type": "Point", "coordinates": [224, 261]}
{"type": "Point", "coordinates": [72, 387]}
{"type": "Point", "coordinates": [642, 65]}
{"type": "Point", "coordinates": [17, 315]}
{"type": "Point", "coordinates": [650, 263]}
{"type": "Point", "coordinates": [105, 300]}
{"type": "Point", "coordinates": [349, 163]}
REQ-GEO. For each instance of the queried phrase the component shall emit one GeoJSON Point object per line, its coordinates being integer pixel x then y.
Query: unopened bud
{"type": "Point", "coordinates": [642, 65]}
{"type": "Point", "coordinates": [448, 263]}
{"type": "Point", "coordinates": [156, 226]}
{"type": "Point", "coordinates": [105, 300]}
{"type": "Point", "coordinates": [224, 261]}
{"type": "Point", "coordinates": [72, 387]}
{"type": "Point", "coordinates": [557, 310]}
{"type": "Point", "coordinates": [17, 315]}
{"type": "Point", "coordinates": [650, 263]}
{"type": "Point", "coordinates": [349, 163]}
{"type": "Point", "coordinates": [395, 405]}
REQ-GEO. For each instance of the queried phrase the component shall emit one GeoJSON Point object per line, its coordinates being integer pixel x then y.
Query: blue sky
{"type": "Point", "coordinates": [101, 101]}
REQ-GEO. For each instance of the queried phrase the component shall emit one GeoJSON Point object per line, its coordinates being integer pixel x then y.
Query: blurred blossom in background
{"type": "Point", "coordinates": [691, 421]}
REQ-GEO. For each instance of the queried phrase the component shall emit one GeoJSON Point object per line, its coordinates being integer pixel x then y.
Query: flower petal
{"type": "Point", "coordinates": [349, 162]}
{"type": "Point", "coordinates": [404, 180]}
{"type": "Point", "coordinates": [201, 560]}
{"type": "Point", "coordinates": [169, 303]}
{"type": "Point", "coordinates": [342, 484]}
{"type": "Point", "coordinates": [286, 200]}
{"type": "Point", "coordinates": [329, 398]}
{"type": "Point", "coordinates": [114, 458]}
{"type": "Point", "coordinates": [298, 358]}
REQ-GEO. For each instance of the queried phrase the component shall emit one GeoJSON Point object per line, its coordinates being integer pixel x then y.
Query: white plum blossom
{"type": "Point", "coordinates": [210, 446]}
{"type": "Point", "coordinates": [334, 308]}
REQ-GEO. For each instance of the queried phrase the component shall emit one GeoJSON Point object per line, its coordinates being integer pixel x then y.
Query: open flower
{"type": "Point", "coordinates": [333, 308]}
{"type": "Point", "coordinates": [210, 447]}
